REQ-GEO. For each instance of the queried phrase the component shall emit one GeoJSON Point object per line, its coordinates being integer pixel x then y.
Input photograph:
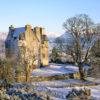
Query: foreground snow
{"type": "Point", "coordinates": [55, 69]}
{"type": "Point", "coordinates": [59, 89]}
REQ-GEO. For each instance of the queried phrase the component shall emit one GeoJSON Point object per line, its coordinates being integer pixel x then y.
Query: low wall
{"type": "Point", "coordinates": [48, 78]}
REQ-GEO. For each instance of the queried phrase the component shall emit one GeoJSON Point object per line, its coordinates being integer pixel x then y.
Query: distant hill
{"type": "Point", "coordinates": [51, 39]}
{"type": "Point", "coordinates": [65, 37]}
{"type": "Point", "coordinates": [68, 39]}
{"type": "Point", "coordinates": [3, 36]}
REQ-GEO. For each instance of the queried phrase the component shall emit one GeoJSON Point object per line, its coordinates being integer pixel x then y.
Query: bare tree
{"type": "Point", "coordinates": [82, 30]}
{"type": "Point", "coordinates": [97, 28]}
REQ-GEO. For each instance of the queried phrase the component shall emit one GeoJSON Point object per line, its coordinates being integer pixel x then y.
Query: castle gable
{"type": "Point", "coordinates": [18, 31]}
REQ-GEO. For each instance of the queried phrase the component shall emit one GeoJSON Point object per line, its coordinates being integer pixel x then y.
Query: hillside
{"type": "Point", "coordinates": [3, 36]}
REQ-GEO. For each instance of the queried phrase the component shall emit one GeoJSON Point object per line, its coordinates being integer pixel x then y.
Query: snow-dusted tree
{"type": "Point", "coordinates": [55, 55]}
{"type": "Point", "coordinates": [97, 27]}
{"type": "Point", "coordinates": [82, 30]}
{"type": "Point", "coordinates": [95, 51]}
{"type": "Point", "coordinates": [27, 59]}
{"type": "Point", "coordinates": [6, 70]}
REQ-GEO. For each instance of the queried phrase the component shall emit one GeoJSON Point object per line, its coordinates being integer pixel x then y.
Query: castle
{"type": "Point", "coordinates": [30, 44]}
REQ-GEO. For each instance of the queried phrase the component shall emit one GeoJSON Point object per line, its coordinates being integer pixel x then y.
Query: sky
{"type": "Point", "coordinates": [49, 14]}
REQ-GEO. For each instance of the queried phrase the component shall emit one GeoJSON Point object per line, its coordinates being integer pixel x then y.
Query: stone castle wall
{"type": "Point", "coordinates": [33, 43]}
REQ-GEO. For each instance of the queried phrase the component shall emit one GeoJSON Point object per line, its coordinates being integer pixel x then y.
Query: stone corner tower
{"type": "Point", "coordinates": [44, 49]}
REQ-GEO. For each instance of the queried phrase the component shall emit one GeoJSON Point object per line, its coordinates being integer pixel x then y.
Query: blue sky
{"type": "Point", "coordinates": [47, 13]}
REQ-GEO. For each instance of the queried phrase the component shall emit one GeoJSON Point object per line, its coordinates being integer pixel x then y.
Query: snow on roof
{"type": "Point", "coordinates": [18, 31]}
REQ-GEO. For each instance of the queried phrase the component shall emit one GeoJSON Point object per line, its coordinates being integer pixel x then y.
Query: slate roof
{"type": "Point", "coordinates": [18, 31]}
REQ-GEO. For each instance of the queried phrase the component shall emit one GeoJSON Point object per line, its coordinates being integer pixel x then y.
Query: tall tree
{"type": "Point", "coordinates": [27, 59]}
{"type": "Point", "coordinates": [81, 28]}
{"type": "Point", "coordinates": [54, 55]}
{"type": "Point", "coordinates": [6, 70]}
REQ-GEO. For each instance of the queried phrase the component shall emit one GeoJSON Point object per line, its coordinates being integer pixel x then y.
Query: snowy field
{"type": "Point", "coordinates": [55, 69]}
{"type": "Point", "coordinates": [58, 90]}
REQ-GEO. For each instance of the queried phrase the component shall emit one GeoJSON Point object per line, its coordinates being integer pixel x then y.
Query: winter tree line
{"type": "Point", "coordinates": [84, 44]}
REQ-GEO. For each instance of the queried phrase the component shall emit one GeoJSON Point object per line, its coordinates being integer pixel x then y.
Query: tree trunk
{"type": "Point", "coordinates": [26, 76]}
{"type": "Point", "coordinates": [81, 71]}
{"type": "Point", "coordinates": [27, 73]}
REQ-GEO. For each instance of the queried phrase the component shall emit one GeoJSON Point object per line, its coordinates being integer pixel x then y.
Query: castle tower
{"type": "Point", "coordinates": [38, 33]}
{"type": "Point", "coordinates": [43, 47]}
{"type": "Point", "coordinates": [28, 36]}
{"type": "Point", "coordinates": [42, 30]}
{"type": "Point", "coordinates": [11, 28]}
{"type": "Point", "coordinates": [44, 51]}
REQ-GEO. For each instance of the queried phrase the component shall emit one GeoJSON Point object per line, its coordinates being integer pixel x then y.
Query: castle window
{"type": "Point", "coordinates": [22, 36]}
{"type": "Point", "coordinates": [15, 38]}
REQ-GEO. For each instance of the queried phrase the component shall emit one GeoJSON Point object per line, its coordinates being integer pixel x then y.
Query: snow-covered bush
{"type": "Point", "coordinates": [75, 94]}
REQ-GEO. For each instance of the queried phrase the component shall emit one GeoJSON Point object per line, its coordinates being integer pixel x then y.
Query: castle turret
{"type": "Point", "coordinates": [38, 33]}
{"type": "Point", "coordinates": [11, 30]}
{"type": "Point", "coordinates": [11, 27]}
{"type": "Point", "coordinates": [44, 51]}
{"type": "Point", "coordinates": [28, 27]}
{"type": "Point", "coordinates": [28, 36]}
{"type": "Point", "coordinates": [42, 30]}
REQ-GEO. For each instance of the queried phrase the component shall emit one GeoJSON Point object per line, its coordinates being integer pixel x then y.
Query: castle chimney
{"type": "Point", "coordinates": [42, 31]}
{"type": "Point", "coordinates": [37, 29]}
{"type": "Point", "coordinates": [38, 33]}
{"type": "Point", "coordinates": [11, 27]}
{"type": "Point", "coordinates": [28, 27]}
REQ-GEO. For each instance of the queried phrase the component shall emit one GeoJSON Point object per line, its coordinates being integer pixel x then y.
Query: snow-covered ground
{"type": "Point", "coordinates": [62, 83]}
{"type": "Point", "coordinates": [59, 89]}
{"type": "Point", "coordinates": [55, 69]}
